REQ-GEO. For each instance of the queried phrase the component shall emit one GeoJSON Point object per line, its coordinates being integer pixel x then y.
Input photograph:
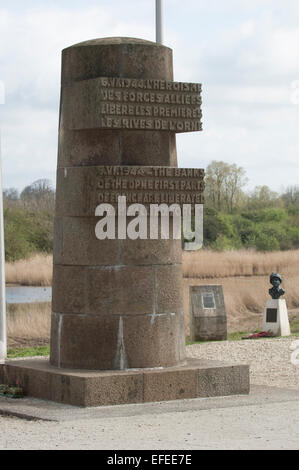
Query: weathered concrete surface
{"type": "Point", "coordinates": [102, 147]}
{"type": "Point", "coordinates": [87, 388]}
{"type": "Point", "coordinates": [116, 57]}
{"type": "Point", "coordinates": [108, 342]}
{"type": "Point", "coordinates": [113, 307]}
{"type": "Point", "coordinates": [208, 322]}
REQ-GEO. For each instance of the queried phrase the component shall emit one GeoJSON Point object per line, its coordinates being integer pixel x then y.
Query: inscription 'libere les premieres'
{"type": "Point", "coordinates": [122, 103]}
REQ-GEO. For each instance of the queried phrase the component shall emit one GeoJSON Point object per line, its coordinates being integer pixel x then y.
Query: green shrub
{"type": "Point", "coordinates": [27, 232]}
{"type": "Point", "coordinates": [264, 242]}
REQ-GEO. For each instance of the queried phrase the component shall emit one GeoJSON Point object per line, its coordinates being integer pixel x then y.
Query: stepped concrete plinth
{"type": "Point", "coordinates": [195, 379]}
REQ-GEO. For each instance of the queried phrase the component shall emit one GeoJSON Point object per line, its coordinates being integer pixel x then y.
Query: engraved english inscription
{"type": "Point", "coordinates": [150, 185]}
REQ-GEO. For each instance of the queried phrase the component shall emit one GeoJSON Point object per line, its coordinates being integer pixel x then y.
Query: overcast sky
{"type": "Point", "coordinates": [244, 52]}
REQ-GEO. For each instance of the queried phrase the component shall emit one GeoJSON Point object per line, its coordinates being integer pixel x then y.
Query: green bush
{"type": "Point", "coordinates": [213, 226]}
{"type": "Point", "coordinates": [265, 242]}
{"type": "Point", "coordinates": [223, 243]}
{"type": "Point", "coordinates": [266, 215]}
{"type": "Point", "coordinates": [27, 232]}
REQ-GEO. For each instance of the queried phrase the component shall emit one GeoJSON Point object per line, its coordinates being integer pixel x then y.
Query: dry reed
{"type": "Point", "coordinates": [244, 276]}
{"type": "Point", "coordinates": [208, 264]}
{"type": "Point", "coordinates": [28, 323]}
{"type": "Point", "coordinates": [35, 271]}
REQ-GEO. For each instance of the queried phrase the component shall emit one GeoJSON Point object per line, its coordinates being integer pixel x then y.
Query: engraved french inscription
{"type": "Point", "coordinates": [123, 103]}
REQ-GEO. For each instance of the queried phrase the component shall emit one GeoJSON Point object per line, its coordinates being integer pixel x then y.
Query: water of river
{"type": "Point", "coordinates": [28, 295]}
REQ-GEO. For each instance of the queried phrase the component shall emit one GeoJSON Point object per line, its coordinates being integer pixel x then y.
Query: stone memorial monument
{"type": "Point", "coordinates": [117, 333]}
{"type": "Point", "coordinates": [276, 318]}
{"type": "Point", "coordinates": [208, 320]}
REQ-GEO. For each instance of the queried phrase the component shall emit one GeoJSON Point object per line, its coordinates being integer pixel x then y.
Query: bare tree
{"type": "Point", "coordinates": [291, 196]}
{"type": "Point", "coordinates": [11, 197]}
{"type": "Point", "coordinates": [263, 196]}
{"type": "Point", "coordinates": [224, 185]}
{"type": "Point", "coordinates": [216, 174]}
{"type": "Point", "coordinates": [234, 182]}
{"type": "Point", "coordinates": [39, 195]}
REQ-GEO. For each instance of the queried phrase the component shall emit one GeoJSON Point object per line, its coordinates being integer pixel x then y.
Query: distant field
{"type": "Point", "coordinates": [28, 325]}
{"type": "Point", "coordinates": [244, 276]}
{"type": "Point", "coordinates": [213, 264]}
{"type": "Point", "coordinates": [204, 264]}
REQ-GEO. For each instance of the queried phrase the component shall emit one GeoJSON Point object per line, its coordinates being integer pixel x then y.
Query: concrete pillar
{"type": "Point", "coordinates": [117, 304]}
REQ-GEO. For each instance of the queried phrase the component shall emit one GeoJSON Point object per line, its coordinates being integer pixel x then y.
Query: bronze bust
{"type": "Point", "coordinates": [276, 292]}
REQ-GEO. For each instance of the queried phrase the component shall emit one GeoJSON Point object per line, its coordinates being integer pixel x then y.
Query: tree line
{"type": "Point", "coordinates": [234, 218]}
{"type": "Point", "coordinates": [28, 220]}
{"type": "Point", "coordinates": [261, 218]}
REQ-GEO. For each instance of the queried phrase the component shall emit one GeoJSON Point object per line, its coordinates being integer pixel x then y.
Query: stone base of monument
{"type": "Point", "coordinates": [276, 318]}
{"type": "Point", "coordinates": [195, 379]}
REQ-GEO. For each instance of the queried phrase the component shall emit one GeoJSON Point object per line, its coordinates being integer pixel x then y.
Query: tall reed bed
{"type": "Point", "coordinates": [212, 264]}
{"type": "Point", "coordinates": [35, 271]}
{"type": "Point", "coordinates": [244, 276]}
{"type": "Point", "coordinates": [28, 323]}
{"type": "Point", "coordinates": [204, 264]}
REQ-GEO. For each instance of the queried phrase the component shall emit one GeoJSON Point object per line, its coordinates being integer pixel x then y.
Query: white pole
{"type": "Point", "coordinates": [3, 340]}
{"type": "Point", "coordinates": [159, 22]}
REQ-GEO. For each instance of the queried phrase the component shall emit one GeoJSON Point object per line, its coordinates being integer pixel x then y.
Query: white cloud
{"type": "Point", "coordinates": [33, 42]}
{"type": "Point", "coordinates": [244, 53]}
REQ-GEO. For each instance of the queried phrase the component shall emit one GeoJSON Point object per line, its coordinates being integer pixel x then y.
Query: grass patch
{"type": "Point", "coordinates": [237, 336]}
{"type": "Point", "coordinates": [294, 324]}
{"type": "Point", "coordinates": [189, 343]}
{"type": "Point", "coordinates": [28, 352]}
{"type": "Point", "coordinates": [28, 322]}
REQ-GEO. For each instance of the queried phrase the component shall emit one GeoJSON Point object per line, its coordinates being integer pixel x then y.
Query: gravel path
{"type": "Point", "coordinates": [269, 359]}
{"type": "Point", "coordinates": [258, 425]}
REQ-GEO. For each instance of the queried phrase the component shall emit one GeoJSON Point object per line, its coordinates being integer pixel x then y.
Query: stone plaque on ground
{"type": "Point", "coordinates": [207, 313]}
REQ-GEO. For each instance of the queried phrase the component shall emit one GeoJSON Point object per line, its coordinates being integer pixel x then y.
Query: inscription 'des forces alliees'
{"type": "Point", "coordinates": [124, 103]}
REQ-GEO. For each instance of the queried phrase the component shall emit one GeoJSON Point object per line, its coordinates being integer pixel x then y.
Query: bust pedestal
{"type": "Point", "coordinates": [276, 318]}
